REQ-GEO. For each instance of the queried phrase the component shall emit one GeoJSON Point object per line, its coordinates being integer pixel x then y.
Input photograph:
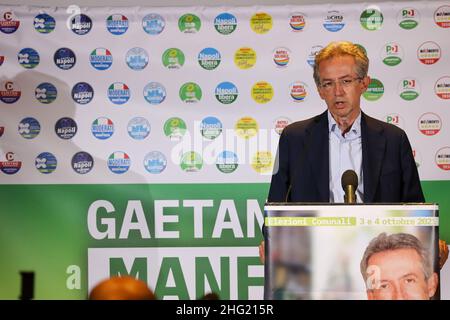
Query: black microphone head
{"type": "Point", "coordinates": [349, 177]}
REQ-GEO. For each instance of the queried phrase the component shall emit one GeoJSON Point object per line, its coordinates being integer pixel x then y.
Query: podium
{"type": "Point", "coordinates": [320, 252]}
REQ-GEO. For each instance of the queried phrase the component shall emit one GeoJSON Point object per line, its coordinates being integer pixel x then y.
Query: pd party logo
{"type": "Point", "coordinates": [9, 23]}
{"type": "Point", "coordinates": [392, 54]}
{"type": "Point", "coordinates": [281, 57]}
{"type": "Point", "coordinates": [281, 123]}
{"type": "Point", "coordinates": [408, 18]}
{"type": "Point", "coordinates": [371, 19]}
{"type": "Point", "coordinates": [29, 128]}
{"type": "Point", "coordinates": [28, 58]}
{"type": "Point", "coordinates": [261, 22]}
{"type": "Point", "coordinates": [191, 162]}
{"type": "Point", "coordinates": [429, 52]}
{"type": "Point", "coordinates": [81, 24]}
{"type": "Point", "coordinates": [155, 162]}
{"type": "Point", "coordinates": [138, 128]}
{"type": "Point", "coordinates": [429, 124]}
{"type": "Point", "coordinates": [45, 162]}
{"type": "Point", "coordinates": [442, 88]}
{"type": "Point", "coordinates": [9, 92]}
{"type": "Point", "coordinates": [64, 58]}
{"type": "Point", "coordinates": [262, 92]}
{"type": "Point", "coordinates": [209, 58]}
{"type": "Point", "coordinates": [225, 23]}
{"type": "Point", "coordinates": [210, 128]}
{"type": "Point", "coordinates": [375, 90]}
{"type": "Point", "coordinates": [82, 93]}
{"type": "Point", "coordinates": [395, 119]}
{"type": "Point", "coordinates": [190, 92]}
{"type": "Point", "coordinates": [66, 128]}
{"type": "Point", "coordinates": [137, 58]}
{"type": "Point", "coordinates": [101, 58]}
{"type": "Point", "coordinates": [227, 162]}
{"type": "Point", "coordinates": [297, 21]}
{"type": "Point", "coordinates": [173, 58]}
{"type": "Point", "coordinates": [334, 21]}
{"type": "Point", "coordinates": [245, 58]}
{"type": "Point", "coordinates": [11, 164]}
{"type": "Point", "coordinates": [409, 89]}
{"type": "Point", "coordinates": [298, 91]}
{"type": "Point", "coordinates": [442, 17]}
{"type": "Point", "coordinates": [226, 92]}
{"type": "Point", "coordinates": [312, 55]}
{"type": "Point", "coordinates": [102, 128]}
{"type": "Point", "coordinates": [175, 128]}
{"type": "Point", "coordinates": [119, 162]}
{"type": "Point", "coordinates": [246, 127]}
{"type": "Point", "coordinates": [45, 93]}
{"type": "Point", "coordinates": [119, 93]}
{"type": "Point", "coordinates": [117, 24]}
{"type": "Point", "coordinates": [44, 23]}
{"type": "Point", "coordinates": [82, 162]}
{"type": "Point", "coordinates": [153, 24]}
{"type": "Point", "coordinates": [189, 23]}
{"type": "Point", "coordinates": [442, 158]}
{"type": "Point", "coordinates": [154, 93]}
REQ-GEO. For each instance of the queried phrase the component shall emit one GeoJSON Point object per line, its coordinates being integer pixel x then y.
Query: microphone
{"type": "Point", "coordinates": [349, 183]}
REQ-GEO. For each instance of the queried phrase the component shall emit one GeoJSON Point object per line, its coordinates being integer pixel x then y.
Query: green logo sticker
{"type": "Point", "coordinates": [371, 19]}
{"type": "Point", "coordinates": [175, 128]}
{"type": "Point", "coordinates": [173, 58]}
{"type": "Point", "coordinates": [408, 18]}
{"type": "Point", "coordinates": [191, 162]}
{"type": "Point", "coordinates": [189, 23]}
{"type": "Point", "coordinates": [374, 91]}
{"type": "Point", "coordinates": [408, 89]}
{"type": "Point", "coordinates": [392, 54]}
{"type": "Point", "coordinates": [190, 92]}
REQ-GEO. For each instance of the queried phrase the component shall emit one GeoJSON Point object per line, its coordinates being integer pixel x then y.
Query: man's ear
{"type": "Point", "coordinates": [432, 284]}
{"type": "Point", "coordinates": [365, 83]}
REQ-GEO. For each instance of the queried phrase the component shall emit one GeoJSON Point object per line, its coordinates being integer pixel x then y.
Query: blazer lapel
{"type": "Point", "coordinates": [373, 152]}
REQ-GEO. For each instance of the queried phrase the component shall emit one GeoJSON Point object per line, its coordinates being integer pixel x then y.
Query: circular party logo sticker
{"type": "Point", "coordinates": [395, 119]}
{"type": "Point", "coordinates": [442, 17]}
{"type": "Point", "coordinates": [44, 23]}
{"type": "Point", "coordinates": [82, 162]}
{"type": "Point", "coordinates": [409, 88]}
{"type": "Point", "coordinates": [175, 128]}
{"type": "Point", "coordinates": [429, 124]}
{"type": "Point", "coordinates": [117, 24]}
{"type": "Point", "coordinates": [210, 128]}
{"type": "Point", "coordinates": [392, 54]}
{"type": "Point", "coordinates": [209, 58]}
{"type": "Point", "coordinates": [119, 162]}
{"type": "Point", "coordinates": [138, 128]}
{"type": "Point", "coordinates": [429, 52]}
{"type": "Point", "coordinates": [190, 92]}
{"type": "Point", "coordinates": [173, 58]}
{"type": "Point", "coordinates": [29, 128]}
{"type": "Point", "coordinates": [9, 92]}
{"type": "Point", "coordinates": [154, 93]}
{"type": "Point", "coordinates": [298, 91]}
{"type": "Point", "coordinates": [225, 23]}
{"type": "Point", "coordinates": [155, 162]}
{"type": "Point", "coordinates": [119, 93]}
{"type": "Point", "coordinates": [281, 123]}
{"type": "Point", "coordinates": [64, 58]}
{"type": "Point", "coordinates": [10, 164]}
{"type": "Point", "coordinates": [408, 18]}
{"type": "Point", "coordinates": [191, 162]}
{"type": "Point", "coordinates": [66, 128]}
{"type": "Point", "coordinates": [46, 93]}
{"type": "Point", "coordinates": [334, 21]}
{"type": "Point", "coordinates": [102, 128]}
{"type": "Point", "coordinates": [28, 58]}
{"type": "Point", "coordinates": [101, 59]}
{"type": "Point", "coordinates": [82, 93]}
{"type": "Point", "coordinates": [375, 90]}
{"type": "Point", "coordinates": [245, 58]}
{"type": "Point", "coordinates": [262, 92]}
{"type": "Point", "coordinates": [246, 127]}
{"type": "Point", "coordinates": [9, 23]}
{"type": "Point", "coordinates": [312, 55]}
{"type": "Point", "coordinates": [226, 92]}
{"type": "Point", "coordinates": [137, 58]}
{"type": "Point", "coordinates": [261, 22]}
{"type": "Point", "coordinates": [262, 162]}
{"type": "Point", "coordinates": [297, 21]}
{"type": "Point", "coordinates": [153, 24]}
{"type": "Point", "coordinates": [189, 23]}
{"type": "Point", "coordinates": [371, 19]}
{"type": "Point", "coordinates": [45, 162]}
{"type": "Point", "coordinates": [281, 57]}
{"type": "Point", "coordinates": [442, 88]}
{"type": "Point", "coordinates": [442, 158]}
{"type": "Point", "coordinates": [81, 24]}
{"type": "Point", "coordinates": [227, 162]}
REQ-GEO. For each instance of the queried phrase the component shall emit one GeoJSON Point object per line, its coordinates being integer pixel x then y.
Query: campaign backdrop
{"type": "Point", "coordinates": [141, 140]}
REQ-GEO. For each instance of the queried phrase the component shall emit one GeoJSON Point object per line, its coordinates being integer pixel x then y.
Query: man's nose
{"type": "Point", "coordinates": [398, 293]}
{"type": "Point", "coordinates": [338, 88]}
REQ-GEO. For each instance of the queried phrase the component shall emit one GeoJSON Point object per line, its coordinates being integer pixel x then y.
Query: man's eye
{"type": "Point", "coordinates": [410, 280]}
{"type": "Point", "coordinates": [326, 84]}
{"type": "Point", "coordinates": [384, 286]}
{"type": "Point", "coordinates": [346, 81]}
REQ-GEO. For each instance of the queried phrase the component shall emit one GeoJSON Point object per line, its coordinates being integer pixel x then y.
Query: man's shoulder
{"type": "Point", "coordinates": [388, 129]}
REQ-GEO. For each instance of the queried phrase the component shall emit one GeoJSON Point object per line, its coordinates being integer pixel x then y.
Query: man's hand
{"type": "Point", "coordinates": [443, 253]}
{"type": "Point", "coordinates": [262, 253]}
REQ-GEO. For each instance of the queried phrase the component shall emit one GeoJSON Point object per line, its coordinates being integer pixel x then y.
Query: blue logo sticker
{"type": "Point", "coordinates": [11, 165]}
{"type": "Point", "coordinates": [312, 55]}
{"type": "Point", "coordinates": [101, 59]}
{"type": "Point", "coordinates": [29, 128]}
{"type": "Point", "coordinates": [334, 21]}
{"type": "Point", "coordinates": [9, 92]}
{"type": "Point", "coordinates": [44, 23]}
{"type": "Point", "coordinates": [64, 58]}
{"type": "Point", "coordinates": [46, 93]}
{"type": "Point", "coordinates": [154, 93]}
{"type": "Point", "coordinates": [82, 93]}
{"type": "Point", "coordinates": [138, 128]}
{"type": "Point", "coordinates": [45, 162]}
{"type": "Point", "coordinates": [28, 58]}
{"type": "Point", "coordinates": [66, 128]}
{"type": "Point", "coordinates": [9, 23]}
{"type": "Point", "coordinates": [102, 128]}
{"type": "Point", "coordinates": [211, 128]}
{"type": "Point", "coordinates": [227, 162]}
{"type": "Point", "coordinates": [119, 162]}
{"type": "Point", "coordinates": [82, 162]}
{"type": "Point", "coordinates": [225, 23]}
{"type": "Point", "coordinates": [155, 162]}
{"type": "Point", "coordinates": [81, 24]}
{"type": "Point", "coordinates": [137, 58]}
{"type": "Point", "coordinates": [118, 93]}
{"type": "Point", "coordinates": [117, 24]}
{"type": "Point", "coordinates": [153, 24]}
{"type": "Point", "coordinates": [226, 92]}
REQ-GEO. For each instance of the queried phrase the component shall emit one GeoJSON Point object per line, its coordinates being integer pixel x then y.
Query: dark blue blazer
{"type": "Point", "coordinates": [301, 172]}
